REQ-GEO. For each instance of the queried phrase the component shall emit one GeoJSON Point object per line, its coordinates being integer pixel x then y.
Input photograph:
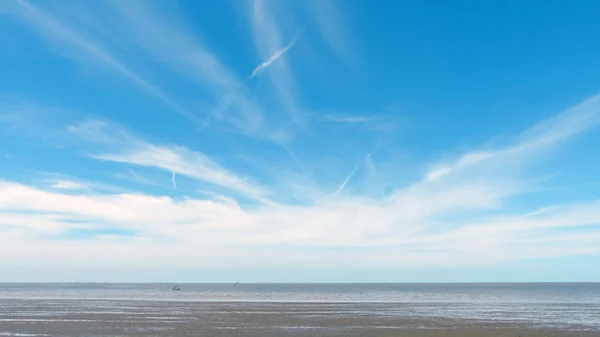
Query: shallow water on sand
{"type": "Point", "coordinates": [565, 306]}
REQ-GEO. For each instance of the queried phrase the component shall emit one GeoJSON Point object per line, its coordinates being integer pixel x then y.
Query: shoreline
{"type": "Point", "coordinates": [305, 283]}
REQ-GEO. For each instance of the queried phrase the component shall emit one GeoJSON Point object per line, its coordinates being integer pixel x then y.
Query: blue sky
{"type": "Point", "coordinates": [299, 141]}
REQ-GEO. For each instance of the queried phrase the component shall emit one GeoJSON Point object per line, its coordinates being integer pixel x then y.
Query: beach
{"type": "Point", "coordinates": [409, 310]}
{"type": "Point", "coordinates": [172, 318]}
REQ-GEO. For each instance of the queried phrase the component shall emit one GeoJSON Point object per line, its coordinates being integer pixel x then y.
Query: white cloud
{"type": "Point", "coordinates": [435, 214]}
{"type": "Point", "coordinates": [456, 214]}
{"type": "Point", "coordinates": [444, 219]}
{"type": "Point", "coordinates": [189, 163]}
{"type": "Point", "coordinates": [464, 161]}
{"type": "Point", "coordinates": [68, 185]}
{"type": "Point", "coordinates": [148, 214]}
{"type": "Point", "coordinates": [175, 159]}
{"type": "Point", "coordinates": [413, 226]}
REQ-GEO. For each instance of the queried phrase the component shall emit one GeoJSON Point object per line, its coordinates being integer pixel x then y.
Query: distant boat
{"type": "Point", "coordinates": [236, 284]}
{"type": "Point", "coordinates": [176, 288]}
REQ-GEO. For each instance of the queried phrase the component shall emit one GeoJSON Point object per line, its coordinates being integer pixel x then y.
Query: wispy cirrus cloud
{"type": "Point", "coordinates": [128, 148]}
{"type": "Point", "coordinates": [155, 40]}
{"type": "Point", "coordinates": [132, 176]}
{"type": "Point", "coordinates": [268, 39]}
{"type": "Point", "coordinates": [333, 28]}
{"type": "Point", "coordinates": [68, 185]}
{"type": "Point", "coordinates": [134, 37]}
{"type": "Point", "coordinates": [165, 39]}
{"type": "Point", "coordinates": [433, 221]}
{"type": "Point", "coordinates": [72, 42]}
{"type": "Point", "coordinates": [543, 135]}
{"type": "Point", "coordinates": [348, 119]}
{"type": "Point", "coordinates": [162, 37]}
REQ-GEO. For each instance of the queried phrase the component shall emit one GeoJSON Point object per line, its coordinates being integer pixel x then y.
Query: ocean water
{"type": "Point", "coordinates": [569, 306]}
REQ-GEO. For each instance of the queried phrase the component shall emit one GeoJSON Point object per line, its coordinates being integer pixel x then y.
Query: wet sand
{"type": "Point", "coordinates": [155, 318]}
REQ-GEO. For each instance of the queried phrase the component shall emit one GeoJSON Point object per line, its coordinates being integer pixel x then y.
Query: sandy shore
{"type": "Point", "coordinates": [151, 318]}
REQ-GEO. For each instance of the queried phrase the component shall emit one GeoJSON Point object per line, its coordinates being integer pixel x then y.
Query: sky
{"type": "Point", "coordinates": [299, 141]}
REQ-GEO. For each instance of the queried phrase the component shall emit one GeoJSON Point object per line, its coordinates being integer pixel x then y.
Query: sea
{"type": "Point", "coordinates": [569, 306]}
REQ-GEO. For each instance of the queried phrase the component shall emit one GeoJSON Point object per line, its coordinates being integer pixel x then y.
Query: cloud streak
{"type": "Point", "coordinates": [348, 119]}
{"type": "Point", "coordinates": [348, 177]}
{"type": "Point", "coordinates": [127, 148]}
{"type": "Point", "coordinates": [170, 47]}
{"type": "Point", "coordinates": [268, 40]}
{"type": "Point", "coordinates": [83, 49]}
{"type": "Point", "coordinates": [332, 27]}
{"type": "Point", "coordinates": [539, 137]}
{"type": "Point", "coordinates": [68, 185]}
{"type": "Point", "coordinates": [261, 67]}
{"type": "Point", "coordinates": [163, 38]}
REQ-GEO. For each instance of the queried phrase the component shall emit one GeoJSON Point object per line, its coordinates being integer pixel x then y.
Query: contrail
{"type": "Point", "coordinates": [226, 100]}
{"type": "Point", "coordinates": [368, 161]}
{"type": "Point", "coordinates": [346, 180]}
{"type": "Point", "coordinates": [373, 151]}
{"type": "Point", "coordinates": [173, 180]}
{"type": "Point", "coordinates": [349, 176]}
{"type": "Point", "coordinates": [222, 105]}
{"type": "Point", "coordinates": [273, 58]}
